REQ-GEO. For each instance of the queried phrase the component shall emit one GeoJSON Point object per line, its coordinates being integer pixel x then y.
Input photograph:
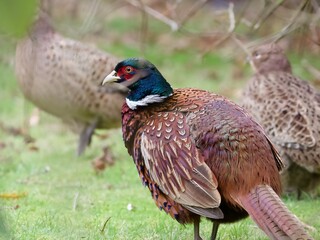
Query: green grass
{"type": "Point", "coordinates": [67, 200]}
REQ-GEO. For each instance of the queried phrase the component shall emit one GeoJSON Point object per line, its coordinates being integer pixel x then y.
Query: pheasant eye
{"type": "Point", "coordinates": [128, 69]}
{"type": "Point", "coordinates": [256, 55]}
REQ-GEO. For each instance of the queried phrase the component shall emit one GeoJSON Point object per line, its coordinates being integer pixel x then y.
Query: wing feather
{"type": "Point", "coordinates": [180, 170]}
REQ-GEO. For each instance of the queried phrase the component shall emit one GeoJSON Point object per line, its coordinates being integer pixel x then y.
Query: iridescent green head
{"type": "Point", "coordinates": [146, 83]}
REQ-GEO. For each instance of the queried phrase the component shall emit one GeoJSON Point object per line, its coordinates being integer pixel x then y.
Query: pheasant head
{"type": "Point", "coordinates": [268, 58]}
{"type": "Point", "coordinates": [145, 82]}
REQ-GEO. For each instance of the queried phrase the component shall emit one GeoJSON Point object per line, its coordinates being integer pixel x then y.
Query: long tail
{"type": "Point", "coordinates": [272, 216]}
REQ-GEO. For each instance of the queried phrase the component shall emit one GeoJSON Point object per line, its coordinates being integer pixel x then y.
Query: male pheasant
{"type": "Point", "coordinates": [63, 76]}
{"type": "Point", "coordinates": [201, 155]}
{"type": "Point", "coordinates": [288, 108]}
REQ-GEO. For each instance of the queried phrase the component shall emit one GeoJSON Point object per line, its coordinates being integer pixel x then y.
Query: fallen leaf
{"type": "Point", "coordinates": [13, 195]}
{"type": "Point", "coordinates": [100, 163]}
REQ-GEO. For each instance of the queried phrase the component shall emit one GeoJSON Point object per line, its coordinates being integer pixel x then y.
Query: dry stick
{"type": "Point", "coordinates": [89, 17]}
{"type": "Point", "coordinates": [315, 22]}
{"type": "Point", "coordinates": [306, 21]}
{"type": "Point", "coordinates": [92, 12]}
{"type": "Point", "coordinates": [241, 45]}
{"type": "Point", "coordinates": [144, 27]}
{"type": "Point", "coordinates": [173, 9]}
{"type": "Point", "coordinates": [231, 34]}
{"type": "Point", "coordinates": [285, 31]}
{"type": "Point", "coordinates": [75, 201]}
{"type": "Point", "coordinates": [173, 25]}
{"type": "Point", "coordinates": [273, 37]}
{"type": "Point", "coordinates": [232, 26]}
{"type": "Point", "coordinates": [231, 17]}
{"type": "Point", "coordinates": [194, 9]}
{"type": "Point", "coordinates": [242, 14]}
{"type": "Point", "coordinates": [266, 15]}
{"type": "Point", "coordinates": [104, 225]}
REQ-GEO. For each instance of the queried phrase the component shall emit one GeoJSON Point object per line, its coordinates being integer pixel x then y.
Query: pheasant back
{"type": "Point", "coordinates": [289, 110]}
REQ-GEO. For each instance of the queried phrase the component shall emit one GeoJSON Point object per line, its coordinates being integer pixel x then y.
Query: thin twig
{"type": "Point", "coordinates": [232, 25]}
{"type": "Point", "coordinates": [241, 45]}
{"type": "Point", "coordinates": [144, 27]}
{"type": "Point", "coordinates": [194, 9]}
{"type": "Point", "coordinates": [290, 27]}
{"type": "Point", "coordinates": [267, 14]}
{"type": "Point", "coordinates": [231, 17]}
{"type": "Point", "coordinates": [75, 201]}
{"type": "Point", "coordinates": [173, 25]}
{"type": "Point", "coordinates": [90, 15]}
{"type": "Point", "coordinates": [241, 14]}
{"type": "Point", "coordinates": [104, 225]}
{"type": "Point", "coordinates": [172, 11]}
{"type": "Point", "coordinates": [315, 22]}
{"type": "Point", "coordinates": [286, 29]}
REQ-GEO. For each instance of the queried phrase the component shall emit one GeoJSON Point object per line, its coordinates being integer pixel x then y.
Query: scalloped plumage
{"type": "Point", "coordinates": [289, 110]}
{"type": "Point", "coordinates": [63, 77]}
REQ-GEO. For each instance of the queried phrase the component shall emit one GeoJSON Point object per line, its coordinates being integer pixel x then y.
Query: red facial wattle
{"type": "Point", "coordinates": [126, 72]}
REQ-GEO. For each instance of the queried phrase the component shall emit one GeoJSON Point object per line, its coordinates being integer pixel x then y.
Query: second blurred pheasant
{"type": "Point", "coordinates": [62, 77]}
{"type": "Point", "coordinates": [289, 110]}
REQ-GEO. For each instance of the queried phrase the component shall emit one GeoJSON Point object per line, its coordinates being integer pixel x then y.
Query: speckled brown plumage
{"type": "Point", "coordinates": [201, 155]}
{"type": "Point", "coordinates": [289, 110]}
{"type": "Point", "coordinates": [63, 76]}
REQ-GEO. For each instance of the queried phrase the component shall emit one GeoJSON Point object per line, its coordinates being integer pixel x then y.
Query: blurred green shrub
{"type": "Point", "coordinates": [16, 16]}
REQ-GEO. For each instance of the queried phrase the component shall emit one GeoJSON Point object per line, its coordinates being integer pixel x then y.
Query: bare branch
{"type": "Point", "coordinates": [173, 25]}
{"type": "Point", "coordinates": [241, 45]}
{"type": "Point", "coordinates": [194, 9]}
{"type": "Point", "coordinates": [231, 17]}
{"type": "Point", "coordinates": [290, 27]}
{"type": "Point", "coordinates": [293, 21]}
{"type": "Point", "coordinates": [144, 27]}
{"type": "Point", "coordinates": [315, 22]}
{"type": "Point", "coordinates": [90, 16]}
{"type": "Point", "coordinates": [267, 14]}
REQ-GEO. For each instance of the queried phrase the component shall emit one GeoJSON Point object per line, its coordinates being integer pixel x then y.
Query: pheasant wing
{"type": "Point", "coordinates": [176, 165]}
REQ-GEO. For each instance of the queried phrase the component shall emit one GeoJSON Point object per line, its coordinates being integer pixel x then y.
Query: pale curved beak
{"type": "Point", "coordinates": [112, 77]}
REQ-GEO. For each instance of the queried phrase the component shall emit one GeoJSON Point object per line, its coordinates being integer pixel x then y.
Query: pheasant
{"type": "Point", "coordinates": [200, 154]}
{"type": "Point", "coordinates": [63, 76]}
{"type": "Point", "coordinates": [288, 108]}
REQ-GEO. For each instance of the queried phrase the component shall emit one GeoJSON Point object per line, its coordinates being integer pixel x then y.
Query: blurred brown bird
{"type": "Point", "coordinates": [201, 155]}
{"type": "Point", "coordinates": [288, 108]}
{"type": "Point", "coordinates": [63, 77]}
